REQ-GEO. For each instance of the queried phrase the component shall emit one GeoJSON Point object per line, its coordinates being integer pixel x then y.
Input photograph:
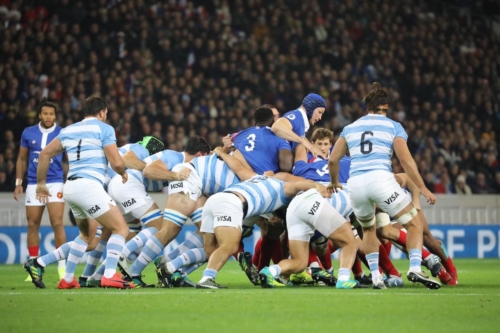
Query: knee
{"type": "Point", "coordinates": [56, 223]}
{"type": "Point", "coordinates": [34, 223]}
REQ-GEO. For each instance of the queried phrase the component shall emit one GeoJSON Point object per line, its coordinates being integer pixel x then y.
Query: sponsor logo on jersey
{"type": "Point", "coordinates": [392, 198]}
{"type": "Point", "coordinates": [128, 203]}
{"type": "Point", "coordinates": [291, 116]}
{"type": "Point", "coordinates": [178, 185]}
{"type": "Point", "coordinates": [93, 210]}
{"type": "Point", "coordinates": [223, 218]}
{"type": "Point", "coordinates": [59, 195]}
{"type": "Point", "coordinates": [314, 208]}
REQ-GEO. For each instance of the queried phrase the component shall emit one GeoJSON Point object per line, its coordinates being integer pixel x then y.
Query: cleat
{"type": "Point", "coordinates": [267, 280]}
{"type": "Point", "coordinates": [444, 276]}
{"type": "Point", "coordinates": [93, 283]}
{"type": "Point", "coordinates": [124, 266]}
{"type": "Point", "coordinates": [321, 275]}
{"type": "Point", "coordinates": [209, 284]}
{"type": "Point", "coordinates": [393, 281]}
{"type": "Point", "coordinates": [420, 277]}
{"type": "Point", "coordinates": [158, 260]}
{"type": "Point", "coordinates": [82, 281]}
{"type": "Point", "coordinates": [349, 284]}
{"type": "Point", "coordinates": [61, 272]}
{"type": "Point", "coordinates": [35, 272]}
{"type": "Point", "coordinates": [116, 282]}
{"type": "Point", "coordinates": [28, 278]}
{"type": "Point", "coordinates": [245, 260]}
{"type": "Point", "coordinates": [364, 281]}
{"type": "Point", "coordinates": [177, 280]}
{"type": "Point", "coordinates": [378, 283]}
{"type": "Point", "coordinates": [68, 285]}
{"type": "Point", "coordinates": [433, 264]}
{"type": "Point", "coordinates": [164, 276]}
{"type": "Point", "coordinates": [453, 282]}
{"type": "Point", "coordinates": [138, 282]}
{"type": "Point", "coordinates": [299, 278]}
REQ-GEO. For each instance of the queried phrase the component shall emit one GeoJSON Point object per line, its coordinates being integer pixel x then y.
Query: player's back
{"type": "Point", "coordinates": [318, 170]}
{"type": "Point", "coordinates": [214, 173]}
{"type": "Point", "coordinates": [35, 139]}
{"type": "Point", "coordinates": [341, 201]}
{"type": "Point", "coordinates": [370, 141]}
{"type": "Point", "coordinates": [84, 143]}
{"type": "Point", "coordinates": [263, 194]}
{"type": "Point", "coordinates": [140, 152]}
{"type": "Point", "coordinates": [260, 147]}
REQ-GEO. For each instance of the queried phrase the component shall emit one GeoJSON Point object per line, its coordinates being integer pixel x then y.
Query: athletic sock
{"type": "Point", "coordinates": [266, 251]}
{"type": "Point", "coordinates": [277, 255]}
{"type": "Point", "coordinates": [152, 249]}
{"type": "Point", "coordinates": [93, 258]}
{"type": "Point", "coordinates": [256, 252]}
{"type": "Point", "coordinates": [326, 259]}
{"type": "Point", "coordinates": [61, 264]}
{"type": "Point", "coordinates": [402, 238]}
{"type": "Point", "coordinates": [191, 268]}
{"type": "Point", "coordinates": [100, 271]}
{"type": "Point", "coordinates": [33, 251]}
{"type": "Point", "coordinates": [344, 274]}
{"type": "Point", "coordinates": [114, 248]}
{"type": "Point", "coordinates": [275, 270]}
{"type": "Point", "coordinates": [388, 247]}
{"type": "Point", "coordinates": [313, 258]}
{"type": "Point", "coordinates": [357, 269]}
{"type": "Point", "coordinates": [208, 273]}
{"type": "Point", "coordinates": [76, 252]}
{"type": "Point", "coordinates": [189, 257]}
{"type": "Point", "coordinates": [450, 267]}
{"type": "Point", "coordinates": [138, 241]}
{"type": "Point", "coordinates": [362, 257]}
{"type": "Point", "coordinates": [386, 263]}
{"type": "Point", "coordinates": [415, 260]}
{"type": "Point", "coordinates": [60, 253]}
{"type": "Point", "coordinates": [372, 259]}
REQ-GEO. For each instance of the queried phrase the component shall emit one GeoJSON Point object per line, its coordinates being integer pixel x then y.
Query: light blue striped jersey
{"type": "Point", "coordinates": [264, 195]}
{"type": "Point", "coordinates": [84, 143]}
{"type": "Point", "coordinates": [214, 173]}
{"type": "Point", "coordinates": [170, 157]}
{"type": "Point", "coordinates": [341, 201]}
{"type": "Point", "coordinates": [137, 148]}
{"type": "Point", "coordinates": [370, 141]}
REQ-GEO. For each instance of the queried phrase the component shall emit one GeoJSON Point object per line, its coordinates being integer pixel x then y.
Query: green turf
{"type": "Point", "coordinates": [473, 306]}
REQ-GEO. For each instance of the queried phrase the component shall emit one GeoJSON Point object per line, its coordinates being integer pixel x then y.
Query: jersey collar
{"type": "Point", "coordinates": [47, 130]}
{"type": "Point", "coordinates": [306, 121]}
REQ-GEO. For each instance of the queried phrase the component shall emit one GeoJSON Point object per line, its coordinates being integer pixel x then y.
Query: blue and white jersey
{"type": "Point", "coordinates": [300, 123]}
{"type": "Point", "coordinates": [263, 195]}
{"type": "Point", "coordinates": [318, 171]}
{"type": "Point", "coordinates": [260, 147]}
{"type": "Point", "coordinates": [170, 157]}
{"type": "Point", "coordinates": [84, 143]}
{"type": "Point", "coordinates": [137, 148]}
{"type": "Point", "coordinates": [35, 138]}
{"type": "Point", "coordinates": [370, 141]}
{"type": "Point", "coordinates": [214, 173]}
{"type": "Point", "coordinates": [341, 201]}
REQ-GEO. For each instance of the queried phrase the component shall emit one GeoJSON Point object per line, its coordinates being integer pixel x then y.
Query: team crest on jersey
{"type": "Point", "coordinates": [291, 116]}
{"type": "Point", "coordinates": [33, 142]}
{"type": "Point", "coordinates": [59, 195]}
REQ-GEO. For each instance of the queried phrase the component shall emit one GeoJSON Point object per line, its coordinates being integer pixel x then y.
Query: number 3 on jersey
{"type": "Point", "coordinates": [366, 145]}
{"type": "Point", "coordinates": [251, 142]}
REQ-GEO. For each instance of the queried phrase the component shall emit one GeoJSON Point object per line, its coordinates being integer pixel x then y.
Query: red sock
{"type": "Point", "coordinates": [357, 269]}
{"type": "Point", "coordinates": [388, 247]}
{"type": "Point", "coordinates": [277, 253]}
{"type": "Point", "coordinates": [33, 250]}
{"type": "Point", "coordinates": [402, 238]}
{"type": "Point", "coordinates": [362, 257]}
{"type": "Point", "coordinates": [256, 252]}
{"type": "Point", "coordinates": [313, 257]}
{"type": "Point", "coordinates": [240, 249]}
{"type": "Point", "coordinates": [266, 252]}
{"type": "Point", "coordinates": [332, 247]}
{"type": "Point", "coordinates": [326, 259]}
{"type": "Point", "coordinates": [385, 262]}
{"type": "Point", "coordinates": [448, 264]}
{"type": "Point", "coordinates": [425, 253]}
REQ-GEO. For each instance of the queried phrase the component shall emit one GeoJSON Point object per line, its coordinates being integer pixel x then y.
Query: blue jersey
{"type": "Point", "coordinates": [260, 147]}
{"type": "Point", "coordinates": [263, 195]}
{"type": "Point", "coordinates": [318, 171]}
{"type": "Point", "coordinates": [214, 173]}
{"type": "Point", "coordinates": [370, 141]}
{"type": "Point", "coordinates": [137, 148]}
{"type": "Point", "coordinates": [35, 138]}
{"type": "Point", "coordinates": [300, 123]}
{"type": "Point", "coordinates": [170, 157]}
{"type": "Point", "coordinates": [84, 143]}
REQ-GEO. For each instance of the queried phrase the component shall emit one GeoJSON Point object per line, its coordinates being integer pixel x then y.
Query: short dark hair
{"type": "Point", "coordinates": [197, 144]}
{"type": "Point", "coordinates": [263, 116]}
{"type": "Point", "coordinates": [45, 103]}
{"type": "Point", "coordinates": [269, 106]}
{"type": "Point", "coordinates": [93, 105]}
{"type": "Point", "coordinates": [377, 96]}
{"type": "Point", "coordinates": [322, 133]}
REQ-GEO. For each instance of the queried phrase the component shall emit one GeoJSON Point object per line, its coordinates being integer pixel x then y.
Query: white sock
{"type": "Point", "coordinates": [61, 264]}
{"type": "Point", "coordinates": [275, 270]}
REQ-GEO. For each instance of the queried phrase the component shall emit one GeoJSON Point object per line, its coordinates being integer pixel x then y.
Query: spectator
{"type": "Point", "coordinates": [461, 187]}
{"type": "Point", "coordinates": [481, 187]}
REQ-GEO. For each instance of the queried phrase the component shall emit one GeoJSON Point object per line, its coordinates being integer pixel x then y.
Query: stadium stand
{"type": "Point", "coordinates": [179, 68]}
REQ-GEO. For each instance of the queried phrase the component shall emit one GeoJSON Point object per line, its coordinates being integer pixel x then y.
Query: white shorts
{"type": "Point", "coordinates": [55, 189]}
{"type": "Point", "coordinates": [376, 187]}
{"type": "Point", "coordinates": [86, 198]}
{"type": "Point", "coordinates": [222, 210]}
{"type": "Point", "coordinates": [192, 185]}
{"type": "Point", "coordinates": [309, 211]}
{"type": "Point", "coordinates": [132, 198]}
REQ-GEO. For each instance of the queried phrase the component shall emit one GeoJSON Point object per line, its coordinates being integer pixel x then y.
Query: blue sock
{"type": "Point", "coordinates": [151, 250]}
{"type": "Point", "coordinates": [344, 274]}
{"type": "Point", "coordinates": [372, 259]}
{"type": "Point", "coordinates": [100, 271]}
{"type": "Point", "coordinates": [172, 255]}
{"type": "Point", "coordinates": [187, 258]}
{"type": "Point", "coordinates": [76, 252]}
{"type": "Point", "coordinates": [209, 273]}
{"type": "Point", "coordinates": [58, 254]}
{"type": "Point", "coordinates": [415, 260]}
{"type": "Point", "coordinates": [93, 258]}
{"type": "Point", "coordinates": [138, 241]}
{"type": "Point", "coordinates": [191, 268]}
{"type": "Point", "coordinates": [114, 249]}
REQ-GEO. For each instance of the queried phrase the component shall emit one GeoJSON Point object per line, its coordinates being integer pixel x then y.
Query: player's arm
{"type": "Point", "coordinates": [65, 166]}
{"type": "Point", "coordinates": [287, 177]}
{"type": "Point", "coordinates": [339, 150]}
{"type": "Point", "coordinates": [300, 154]}
{"type": "Point", "coordinates": [131, 161]}
{"type": "Point", "coordinates": [114, 158]}
{"type": "Point", "coordinates": [285, 157]}
{"type": "Point", "coordinates": [53, 149]}
{"type": "Point", "coordinates": [22, 159]}
{"type": "Point", "coordinates": [158, 170]}
{"type": "Point", "coordinates": [410, 167]}
{"type": "Point", "coordinates": [235, 165]}
{"type": "Point", "coordinates": [404, 181]}
{"type": "Point", "coordinates": [294, 187]}
{"type": "Point", "coordinates": [284, 129]}
{"type": "Point", "coordinates": [239, 156]}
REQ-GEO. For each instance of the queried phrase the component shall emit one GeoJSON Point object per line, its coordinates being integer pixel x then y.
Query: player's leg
{"type": "Point", "coordinates": [55, 208]}
{"type": "Point", "coordinates": [93, 258]}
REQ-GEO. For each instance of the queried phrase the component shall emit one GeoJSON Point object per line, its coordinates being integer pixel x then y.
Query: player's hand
{"type": "Point", "coordinates": [323, 190]}
{"type": "Point", "coordinates": [313, 149]}
{"type": "Point", "coordinates": [124, 177]}
{"type": "Point", "coordinates": [18, 191]}
{"type": "Point", "coordinates": [269, 173]}
{"type": "Point", "coordinates": [431, 199]}
{"type": "Point", "coordinates": [334, 187]}
{"type": "Point", "coordinates": [183, 174]}
{"type": "Point", "coordinates": [228, 143]}
{"type": "Point", "coordinates": [42, 193]}
{"type": "Point", "coordinates": [218, 151]}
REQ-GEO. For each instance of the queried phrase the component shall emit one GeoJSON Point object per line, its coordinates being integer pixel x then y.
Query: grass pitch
{"type": "Point", "coordinates": [473, 306]}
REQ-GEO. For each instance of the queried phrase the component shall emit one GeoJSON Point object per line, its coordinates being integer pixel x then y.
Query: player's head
{"type": "Point", "coordinates": [323, 139]}
{"type": "Point", "coordinates": [152, 144]}
{"type": "Point", "coordinates": [47, 113]}
{"type": "Point", "coordinates": [315, 106]}
{"type": "Point", "coordinates": [377, 100]}
{"type": "Point", "coordinates": [276, 113]}
{"type": "Point", "coordinates": [263, 116]}
{"type": "Point", "coordinates": [95, 106]}
{"type": "Point", "coordinates": [197, 146]}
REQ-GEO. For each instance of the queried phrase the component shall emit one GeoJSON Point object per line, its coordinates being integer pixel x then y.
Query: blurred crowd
{"type": "Point", "coordinates": [180, 68]}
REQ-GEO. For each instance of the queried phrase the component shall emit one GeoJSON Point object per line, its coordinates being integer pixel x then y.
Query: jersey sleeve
{"type": "Point", "coordinates": [400, 132]}
{"type": "Point", "coordinates": [297, 121]}
{"type": "Point", "coordinates": [283, 144]}
{"type": "Point", "coordinates": [24, 139]}
{"type": "Point", "coordinates": [298, 168]}
{"type": "Point", "coordinates": [343, 133]}
{"type": "Point", "coordinates": [139, 151]}
{"type": "Point", "coordinates": [108, 136]}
